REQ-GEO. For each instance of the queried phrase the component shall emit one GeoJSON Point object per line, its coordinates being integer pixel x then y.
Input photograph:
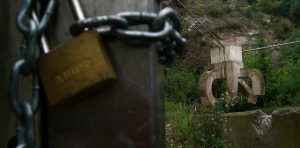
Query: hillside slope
{"type": "Point", "coordinates": [249, 24]}
{"type": "Point", "coordinates": [239, 23]}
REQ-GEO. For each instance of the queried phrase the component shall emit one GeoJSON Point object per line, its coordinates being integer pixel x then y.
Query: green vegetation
{"type": "Point", "coordinates": [282, 82]}
{"type": "Point", "coordinates": [290, 71]}
{"type": "Point", "coordinates": [282, 27]}
{"type": "Point", "coordinates": [180, 85]}
{"type": "Point", "coordinates": [191, 125]}
{"type": "Point", "coordinates": [215, 12]}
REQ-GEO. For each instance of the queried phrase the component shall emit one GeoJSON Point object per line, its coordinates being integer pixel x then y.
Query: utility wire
{"type": "Point", "coordinates": [192, 25]}
{"type": "Point", "coordinates": [271, 46]}
{"type": "Point", "coordinates": [200, 22]}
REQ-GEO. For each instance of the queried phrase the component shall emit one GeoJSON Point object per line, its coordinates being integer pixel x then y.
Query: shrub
{"type": "Point", "coordinates": [251, 1]}
{"type": "Point", "coordinates": [197, 8]}
{"type": "Point", "coordinates": [259, 42]}
{"type": "Point", "coordinates": [289, 81]}
{"type": "Point", "coordinates": [219, 88]}
{"type": "Point", "coordinates": [239, 104]}
{"type": "Point", "coordinates": [282, 27]}
{"type": "Point", "coordinates": [288, 75]}
{"type": "Point", "coordinates": [226, 9]}
{"type": "Point", "coordinates": [295, 11]}
{"type": "Point", "coordinates": [194, 126]}
{"type": "Point", "coordinates": [262, 62]}
{"type": "Point", "coordinates": [291, 52]}
{"type": "Point", "coordinates": [281, 8]}
{"type": "Point", "coordinates": [281, 84]}
{"type": "Point", "coordinates": [288, 9]}
{"type": "Point", "coordinates": [178, 120]}
{"type": "Point", "coordinates": [265, 6]}
{"type": "Point", "coordinates": [180, 85]}
{"type": "Point", "coordinates": [248, 11]}
{"type": "Point", "coordinates": [214, 12]}
{"type": "Point", "coordinates": [233, 24]}
{"type": "Point", "coordinates": [208, 128]}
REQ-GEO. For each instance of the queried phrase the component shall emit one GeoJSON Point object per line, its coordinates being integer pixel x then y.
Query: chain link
{"type": "Point", "coordinates": [25, 66]}
{"type": "Point", "coordinates": [164, 15]}
{"type": "Point", "coordinates": [23, 17]}
{"type": "Point", "coordinates": [163, 27]}
{"type": "Point", "coordinates": [28, 48]}
{"type": "Point", "coordinates": [136, 18]}
{"type": "Point", "coordinates": [31, 29]}
{"type": "Point", "coordinates": [14, 86]}
{"type": "Point", "coordinates": [25, 137]}
{"type": "Point", "coordinates": [146, 36]}
{"type": "Point", "coordinates": [114, 21]}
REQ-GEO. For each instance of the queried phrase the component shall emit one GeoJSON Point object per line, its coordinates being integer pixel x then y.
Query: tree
{"type": "Point", "coordinates": [295, 11]}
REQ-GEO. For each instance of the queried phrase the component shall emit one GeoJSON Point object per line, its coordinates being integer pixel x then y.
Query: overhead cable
{"type": "Point", "coordinates": [271, 46]}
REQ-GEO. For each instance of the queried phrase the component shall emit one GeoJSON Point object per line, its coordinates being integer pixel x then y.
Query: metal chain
{"type": "Point", "coordinates": [31, 29]}
{"type": "Point", "coordinates": [24, 16]}
{"type": "Point", "coordinates": [164, 27]}
{"type": "Point", "coordinates": [25, 66]}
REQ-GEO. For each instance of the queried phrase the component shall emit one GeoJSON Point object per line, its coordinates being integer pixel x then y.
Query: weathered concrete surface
{"type": "Point", "coordinates": [281, 129]}
{"type": "Point", "coordinates": [248, 129]}
{"type": "Point", "coordinates": [286, 127]}
{"type": "Point", "coordinates": [229, 53]}
{"type": "Point", "coordinates": [228, 64]}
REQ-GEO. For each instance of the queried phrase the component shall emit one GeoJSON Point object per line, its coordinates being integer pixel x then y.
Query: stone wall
{"type": "Point", "coordinates": [256, 129]}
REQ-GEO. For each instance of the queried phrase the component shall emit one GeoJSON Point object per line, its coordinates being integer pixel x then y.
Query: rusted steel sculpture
{"type": "Point", "coordinates": [228, 64]}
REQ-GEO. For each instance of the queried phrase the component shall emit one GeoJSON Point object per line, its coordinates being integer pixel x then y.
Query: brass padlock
{"type": "Point", "coordinates": [75, 67]}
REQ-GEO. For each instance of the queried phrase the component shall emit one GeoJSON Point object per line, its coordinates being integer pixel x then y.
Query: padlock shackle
{"type": "Point", "coordinates": [43, 43]}
{"type": "Point", "coordinates": [77, 9]}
